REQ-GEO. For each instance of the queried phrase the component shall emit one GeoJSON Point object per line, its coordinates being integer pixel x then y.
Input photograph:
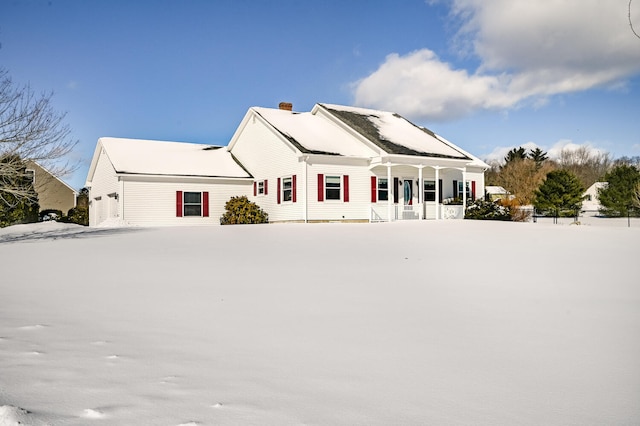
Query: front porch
{"type": "Point", "coordinates": [416, 192]}
{"type": "Point", "coordinates": [427, 210]}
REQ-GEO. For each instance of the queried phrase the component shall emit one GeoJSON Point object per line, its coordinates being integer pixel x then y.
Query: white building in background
{"type": "Point", "coordinates": [591, 203]}
{"type": "Point", "coordinates": [334, 163]}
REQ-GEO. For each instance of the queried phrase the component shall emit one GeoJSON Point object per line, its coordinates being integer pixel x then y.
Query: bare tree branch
{"type": "Point", "coordinates": [631, 23]}
{"type": "Point", "coordinates": [30, 130]}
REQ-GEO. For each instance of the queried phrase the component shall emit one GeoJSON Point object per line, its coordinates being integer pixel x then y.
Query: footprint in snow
{"type": "Point", "coordinates": [217, 405]}
{"type": "Point", "coordinates": [90, 413]}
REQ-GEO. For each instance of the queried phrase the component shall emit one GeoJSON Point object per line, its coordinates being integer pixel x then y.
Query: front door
{"type": "Point", "coordinates": [408, 191]}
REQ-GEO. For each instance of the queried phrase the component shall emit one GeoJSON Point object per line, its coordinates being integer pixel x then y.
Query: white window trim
{"type": "Point", "coordinates": [378, 190]}
{"type": "Point", "coordinates": [326, 199]}
{"type": "Point", "coordinates": [424, 191]}
{"type": "Point", "coordinates": [184, 204]}
{"type": "Point", "coordinates": [282, 200]}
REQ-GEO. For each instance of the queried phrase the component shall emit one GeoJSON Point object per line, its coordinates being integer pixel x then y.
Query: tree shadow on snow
{"type": "Point", "coordinates": [64, 234]}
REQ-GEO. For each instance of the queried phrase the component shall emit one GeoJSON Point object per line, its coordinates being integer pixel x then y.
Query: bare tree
{"type": "Point", "coordinates": [30, 130]}
{"type": "Point", "coordinates": [587, 164]}
{"type": "Point", "coordinates": [521, 177]}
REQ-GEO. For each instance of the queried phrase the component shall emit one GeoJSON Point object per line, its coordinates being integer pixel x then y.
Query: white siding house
{"type": "Point", "coordinates": [141, 182]}
{"type": "Point", "coordinates": [353, 164]}
{"type": "Point", "coordinates": [333, 163]}
{"type": "Point", "coordinates": [590, 202]}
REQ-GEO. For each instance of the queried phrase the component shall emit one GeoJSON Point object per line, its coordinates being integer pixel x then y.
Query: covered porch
{"type": "Point", "coordinates": [404, 191]}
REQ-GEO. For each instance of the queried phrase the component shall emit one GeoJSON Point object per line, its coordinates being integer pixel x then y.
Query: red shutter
{"type": "Point", "coordinates": [278, 191]}
{"type": "Point", "coordinates": [345, 179]}
{"type": "Point", "coordinates": [455, 189]}
{"type": "Point", "coordinates": [473, 190]}
{"type": "Point", "coordinates": [178, 203]}
{"type": "Point", "coordinates": [320, 187]}
{"type": "Point", "coordinates": [255, 189]}
{"type": "Point", "coordinates": [293, 185]}
{"type": "Point", "coordinates": [374, 189]}
{"type": "Point", "coordinates": [205, 204]}
{"type": "Point", "coordinates": [265, 187]}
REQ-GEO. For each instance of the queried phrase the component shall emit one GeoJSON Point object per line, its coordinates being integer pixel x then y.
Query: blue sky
{"type": "Point", "coordinates": [486, 74]}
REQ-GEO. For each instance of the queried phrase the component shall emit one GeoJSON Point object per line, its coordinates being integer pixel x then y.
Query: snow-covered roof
{"type": "Point", "coordinates": [394, 134]}
{"type": "Point", "coordinates": [495, 190]}
{"type": "Point", "coordinates": [313, 134]}
{"type": "Point", "coordinates": [137, 156]}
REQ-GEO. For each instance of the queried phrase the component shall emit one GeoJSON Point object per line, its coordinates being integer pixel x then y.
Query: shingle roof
{"type": "Point", "coordinates": [393, 133]}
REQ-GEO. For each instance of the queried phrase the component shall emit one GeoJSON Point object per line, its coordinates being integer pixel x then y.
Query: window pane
{"type": "Point", "coordinates": [192, 197]}
{"type": "Point", "coordinates": [286, 183]}
{"type": "Point", "coordinates": [333, 194]}
{"type": "Point", "coordinates": [286, 195]}
{"type": "Point", "coordinates": [383, 183]}
{"type": "Point", "coordinates": [333, 182]}
{"type": "Point", "coordinates": [429, 185]}
{"type": "Point", "coordinates": [192, 210]}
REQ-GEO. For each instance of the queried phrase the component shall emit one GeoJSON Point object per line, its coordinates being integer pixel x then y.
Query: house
{"type": "Point", "coordinates": [333, 163]}
{"type": "Point", "coordinates": [493, 193]}
{"type": "Point", "coordinates": [154, 183]}
{"type": "Point", "coordinates": [590, 201]}
{"type": "Point", "coordinates": [53, 192]}
{"type": "Point", "coordinates": [338, 163]}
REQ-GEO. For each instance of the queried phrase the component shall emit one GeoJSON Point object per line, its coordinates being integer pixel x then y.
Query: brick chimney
{"type": "Point", "coordinates": [286, 106]}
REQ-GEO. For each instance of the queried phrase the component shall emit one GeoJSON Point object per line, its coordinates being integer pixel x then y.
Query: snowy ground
{"type": "Point", "coordinates": [429, 323]}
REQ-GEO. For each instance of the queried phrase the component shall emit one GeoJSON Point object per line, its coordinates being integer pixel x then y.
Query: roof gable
{"type": "Point", "coordinates": [312, 134]}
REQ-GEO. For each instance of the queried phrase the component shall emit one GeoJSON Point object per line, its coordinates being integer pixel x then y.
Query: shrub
{"type": "Point", "coordinates": [486, 210]}
{"type": "Point", "coordinates": [78, 215]}
{"type": "Point", "coordinates": [21, 212]}
{"type": "Point", "coordinates": [518, 212]}
{"type": "Point", "coordinates": [51, 214]}
{"type": "Point", "coordinates": [239, 210]}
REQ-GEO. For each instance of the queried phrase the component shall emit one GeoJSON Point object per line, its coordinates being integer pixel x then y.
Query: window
{"type": "Point", "coordinates": [429, 190]}
{"type": "Point", "coordinates": [287, 189]}
{"type": "Point", "coordinates": [31, 175]}
{"type": "Point", "coordinates": [470, 192]}
{"type": "Point", "coordinates": [332, 187]}
{"type": "Point", "coordinates": [192, 203]}
{"type": "Point", "coordinates": [383, 189]}
{"type": "Point", "coordinates": [261, 187]}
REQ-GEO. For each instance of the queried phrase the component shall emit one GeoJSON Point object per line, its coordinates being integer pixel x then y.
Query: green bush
{"type": "Point", "coordinates": [22, 212]}
{"type": "Point", "coordinates": [486, 210]}
{"type": "Point", "coordinates": [78, 215]}
{"type": "Point", "coordinates": [239, 210]}
{"type": "Point", "coordinates": [51, 214]}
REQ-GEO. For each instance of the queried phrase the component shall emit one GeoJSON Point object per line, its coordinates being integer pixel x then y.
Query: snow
{"type": "Point", "coordinates": [407, 323]}
{"type": "Point", "coordinates": [402, 132]}
{"type": "Point", "coordinates": [315, 133]}
{"type": "Point", "coordinates": [170, 158]}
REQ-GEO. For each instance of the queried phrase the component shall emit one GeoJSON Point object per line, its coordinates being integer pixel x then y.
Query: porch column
{"type": "Point", "coordinates": [464, 190]}
{"type": "Point", "coordinates": [420, 193]}
{"type": "Point", "coordinates": [437, 169]}
{"type": "Point", "coordinates": [389, 195]}
{"type": "Point", "coordinates": [121, 198]}
{"type": "Point", "coordinates": [305, 188]}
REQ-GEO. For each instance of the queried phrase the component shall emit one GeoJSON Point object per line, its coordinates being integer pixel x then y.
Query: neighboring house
{"type": "Point", "coordinates": [590, 201]}
{"type": "Point", "coordinates": [334, 163]}
{"type": "Point", "coordinates": [494, 193]}
{"type": "Point", "coordinates": [153, 183]}
{"type": "Point", "coordinates": [53, 193]}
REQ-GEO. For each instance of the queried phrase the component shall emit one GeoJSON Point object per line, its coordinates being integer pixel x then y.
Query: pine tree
{"type": "Point", "coordinates": [538, 156]}
{"type": "Point", "coordinates": [515, 154]}
{"type": "Point", "coordinates": [617, 197]}
{"type": "Point", "coordinates": [560, 191]}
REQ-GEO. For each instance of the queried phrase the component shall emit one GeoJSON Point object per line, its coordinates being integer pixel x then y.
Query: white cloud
{"type": "Point", "coordinates": [529, 51]}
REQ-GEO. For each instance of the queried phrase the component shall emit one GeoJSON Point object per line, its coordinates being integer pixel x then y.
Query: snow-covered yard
{"type": "Point", "coordinates": [415, 323]}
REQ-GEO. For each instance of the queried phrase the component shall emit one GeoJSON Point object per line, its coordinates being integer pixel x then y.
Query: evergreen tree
{"type": "Point", "coordinates": [560, 191]}
{"type": "Point", "coordinates": [538, 156]}
{"type": "Point", "coordinates": [617, 198]}
{"type": "Point", "coordinates": [16, 209]}
{"type": "Point", "coordinates": [515, 154]}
